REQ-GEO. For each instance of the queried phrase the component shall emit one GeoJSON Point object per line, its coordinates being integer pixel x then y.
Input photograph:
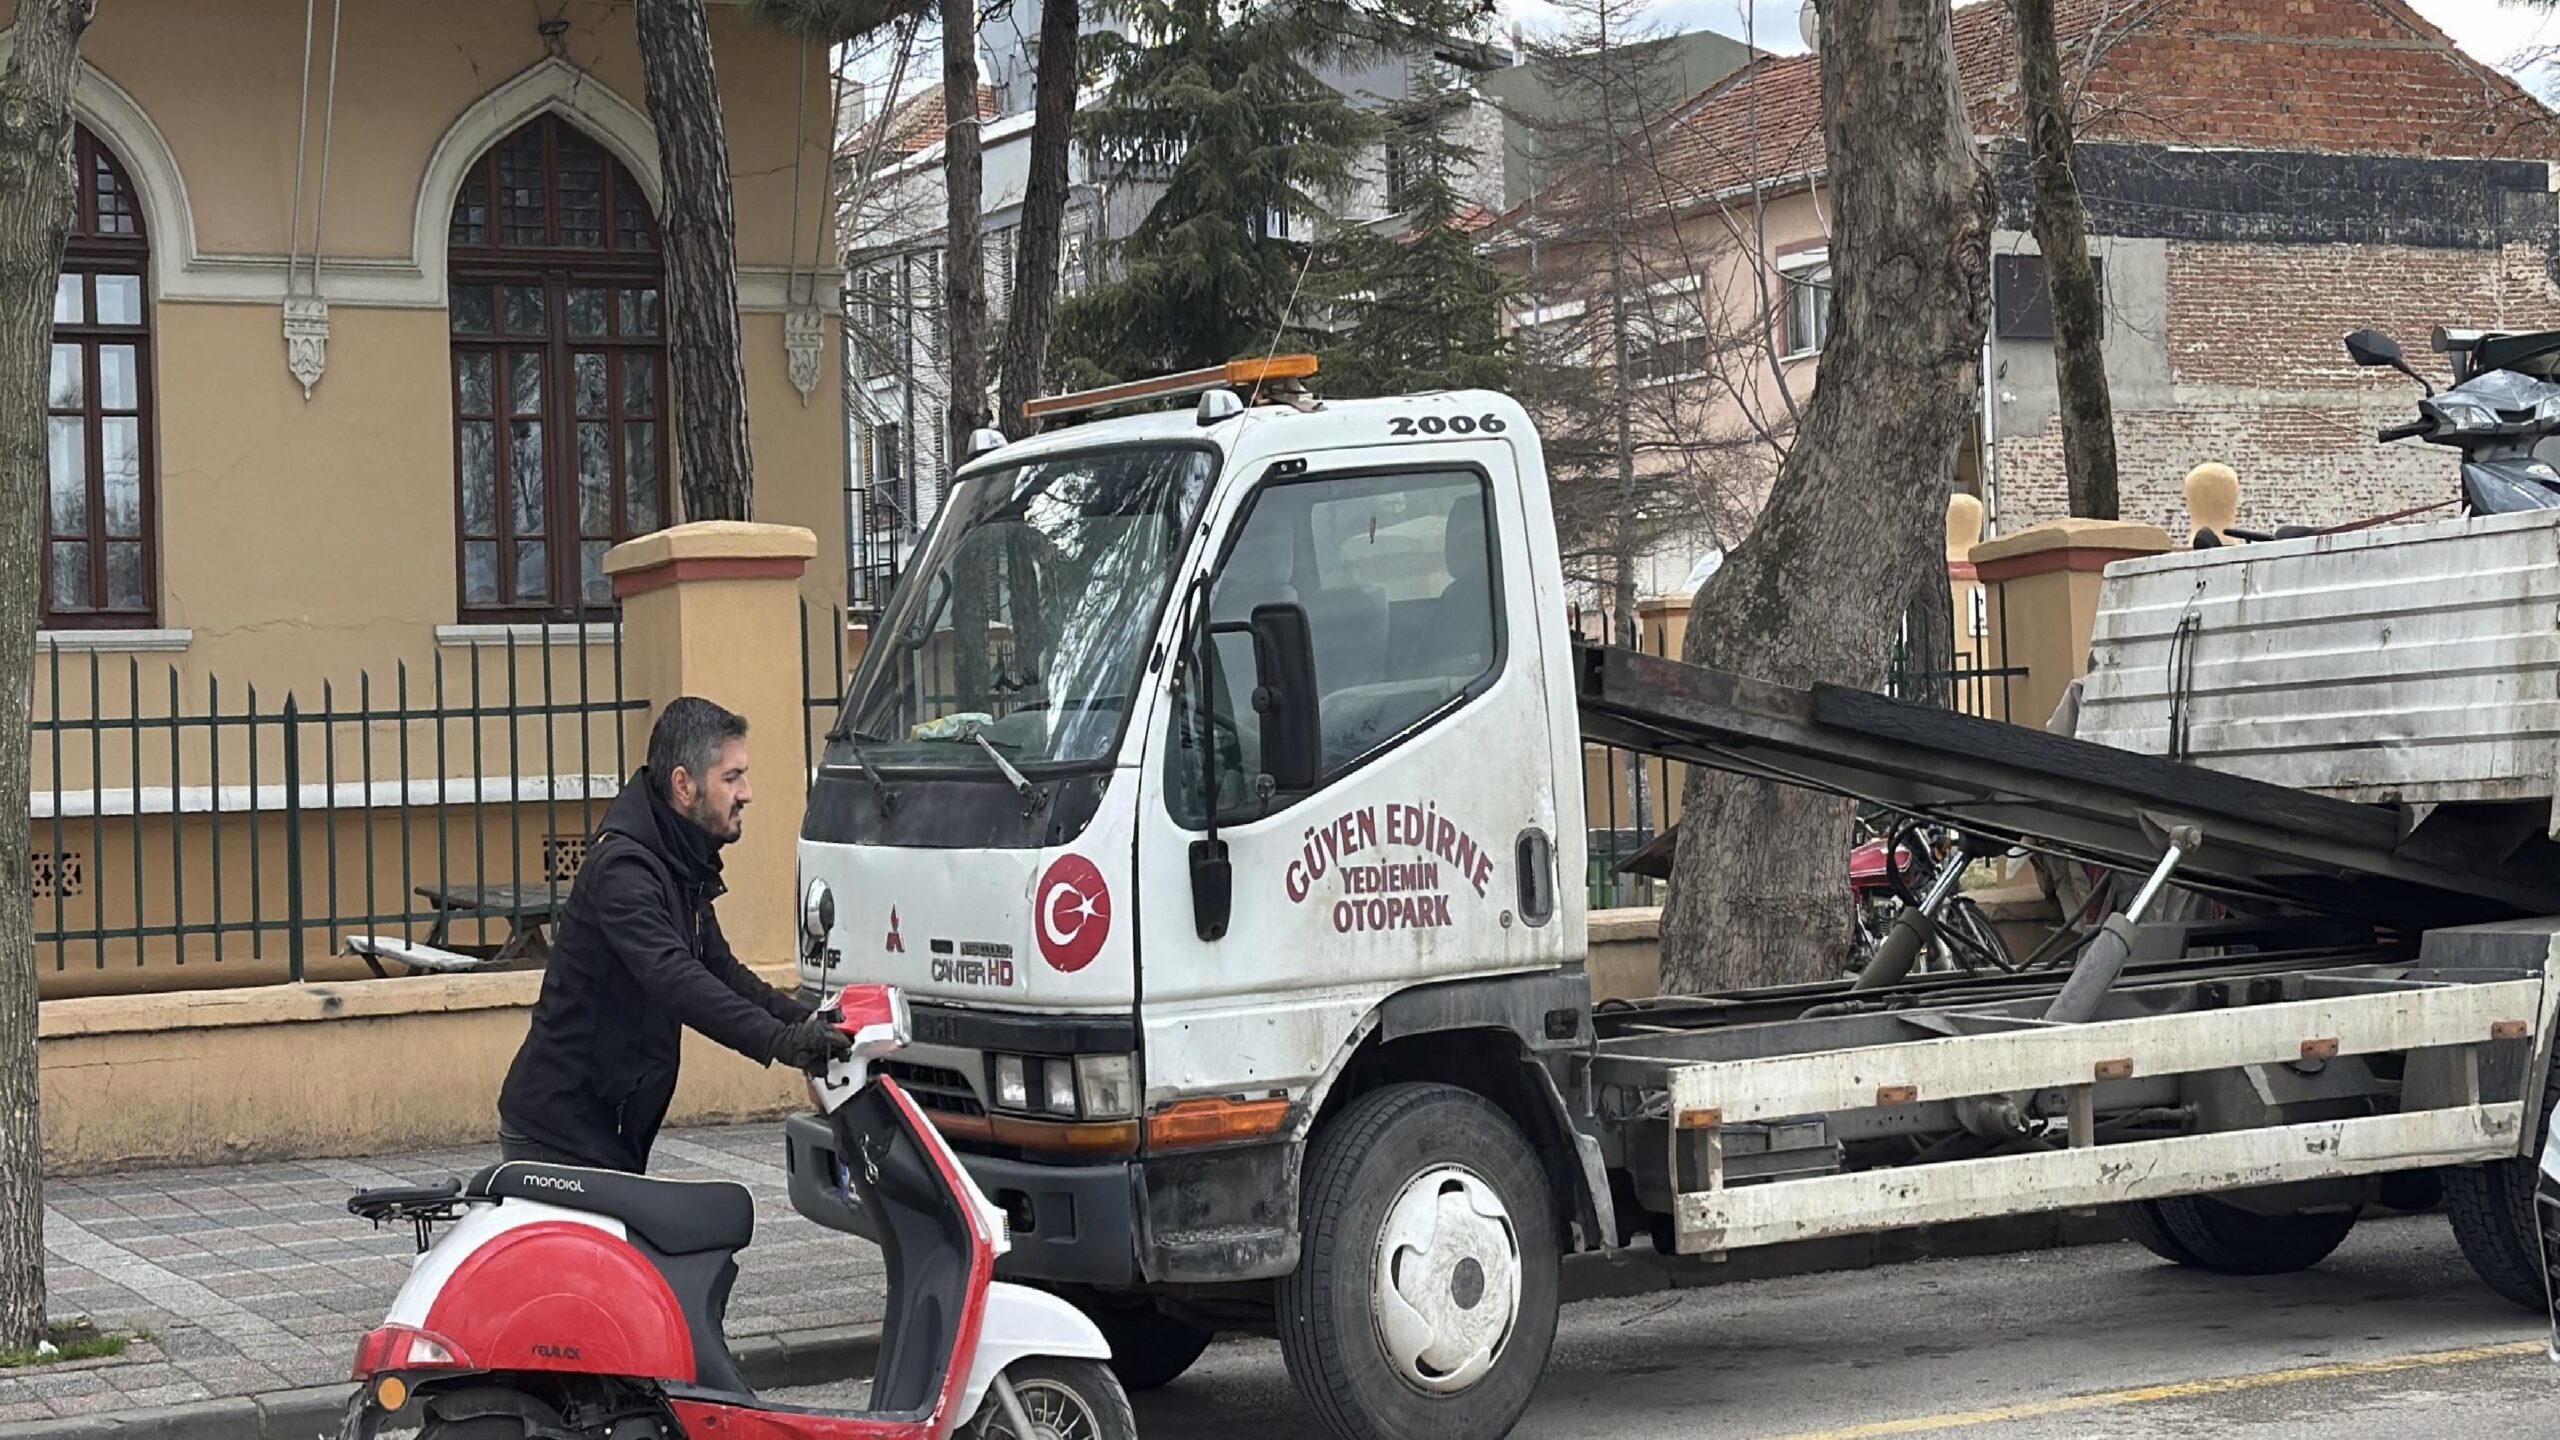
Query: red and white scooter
{"type": "Point", "coordinates": [571, 1304]}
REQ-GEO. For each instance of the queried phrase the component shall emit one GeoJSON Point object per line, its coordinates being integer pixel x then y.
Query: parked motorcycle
{"type": "Point", "coordinates": [570, 1304]}
{"type": "Point", "coordinates": [1905, 864]}
{"type": "Point", "coordinates": [2500, 413]}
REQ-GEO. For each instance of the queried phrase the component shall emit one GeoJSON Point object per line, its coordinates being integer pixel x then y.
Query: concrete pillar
{"type": "Point", "coordinates": [2041, 595]}
{"type": "Point", "coordinates": [1964, 531]}
{"type": "Point", "coordinates": [712, 609]}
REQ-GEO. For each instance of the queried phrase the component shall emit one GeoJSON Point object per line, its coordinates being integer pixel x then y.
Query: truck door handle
{"type": "Point", "coordinates": [1536, 857]}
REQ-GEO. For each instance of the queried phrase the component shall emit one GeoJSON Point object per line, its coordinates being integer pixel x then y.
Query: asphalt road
{"type": "Point", "coordinates": [2391, 1339]}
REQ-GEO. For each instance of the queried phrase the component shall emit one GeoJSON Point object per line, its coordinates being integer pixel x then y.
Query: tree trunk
{"type": "Point", "coordinates": [35, 212]}
{"type": "Point", "coordinates": [2062, 233]}
{"type": "Point", "coordinates": [965, 267]}
{"type": "Point", "coordinates": [1022, 368]}
{"type": "Point", "coordinates": [698, 228]}
{"type": "Point", "coordinates": [1759, 891]}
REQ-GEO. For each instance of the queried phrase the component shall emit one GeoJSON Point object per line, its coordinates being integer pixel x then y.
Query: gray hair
{"type": "Point", "coordinates": [689, 736]}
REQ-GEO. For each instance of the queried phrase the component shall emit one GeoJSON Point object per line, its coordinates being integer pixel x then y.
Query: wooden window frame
{"type": "Point", "coordinates": [89, 253]}
{"type": "Point", "coordinates": [554, 269]}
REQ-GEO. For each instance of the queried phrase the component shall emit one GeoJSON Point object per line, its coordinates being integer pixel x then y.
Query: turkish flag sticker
{"type": "Point", "coordinates": [1073, 910]}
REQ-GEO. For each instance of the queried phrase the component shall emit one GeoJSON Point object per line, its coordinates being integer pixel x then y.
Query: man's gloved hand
{"type": "Point", "coordinates": [809, 1045]}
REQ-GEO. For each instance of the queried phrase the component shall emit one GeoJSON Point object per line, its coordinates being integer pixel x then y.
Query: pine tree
{"type": "Point", "coordinates": [1256, 145]}
{"type": "Point", "coordinates": [1420, 302]}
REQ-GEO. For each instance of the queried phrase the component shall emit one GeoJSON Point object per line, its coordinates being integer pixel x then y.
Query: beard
{"type": "Point", "coordinates": [721, 823]}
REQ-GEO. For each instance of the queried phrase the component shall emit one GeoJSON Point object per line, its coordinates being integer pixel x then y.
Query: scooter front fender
{"type": "Point", "coordinates": [1020, 1323]}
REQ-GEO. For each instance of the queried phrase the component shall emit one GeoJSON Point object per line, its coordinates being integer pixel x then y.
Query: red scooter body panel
{"type": "Point", "coordinates": [565, 1297]}
{"type": "Point", "coordinates": [718, 1420]}
{"type": "Point", "coordinates": [703, 1420]}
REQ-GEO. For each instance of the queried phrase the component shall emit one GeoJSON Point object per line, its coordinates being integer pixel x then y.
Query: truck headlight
{"type": "Point", "coordinates": [1109, 1083]}
{"type": "Point", "coordinates": [1062, 1087]}
{"type": "Point", "coordinates": [1013, 1090]}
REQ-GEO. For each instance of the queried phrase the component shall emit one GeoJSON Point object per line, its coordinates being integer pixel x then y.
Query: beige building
{"type": "Point", "coordinates": [359, 368]}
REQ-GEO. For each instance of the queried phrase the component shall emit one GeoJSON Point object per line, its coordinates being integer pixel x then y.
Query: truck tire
{"type": "Point", "coordinates": [2143, 1225]}
{"type": "Point", "coordinates": [2493, 1213]}
{"type": "Point", "coordinates": [2203, 1233]}
{"type": "Point", "coordinates": [1424, 1302]}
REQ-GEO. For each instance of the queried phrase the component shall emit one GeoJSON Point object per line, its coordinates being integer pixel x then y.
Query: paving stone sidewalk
{"type": "Point", "coordinates": [248, 1279]}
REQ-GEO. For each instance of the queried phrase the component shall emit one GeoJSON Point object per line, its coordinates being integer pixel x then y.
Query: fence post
{"type": "Point", "coordinates": [2044, 583]}
{"type": "Point", "coordinates": [292, 836]}
{"type": "Point", "coordinates": [709, 609]}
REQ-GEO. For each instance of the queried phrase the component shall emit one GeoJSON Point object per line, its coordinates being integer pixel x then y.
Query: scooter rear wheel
{"type": "Point", "coordinates": [1064, 1400]}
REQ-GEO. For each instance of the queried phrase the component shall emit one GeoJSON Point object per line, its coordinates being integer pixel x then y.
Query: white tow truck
{"type": "Point", "coordinates": [1213, 785]}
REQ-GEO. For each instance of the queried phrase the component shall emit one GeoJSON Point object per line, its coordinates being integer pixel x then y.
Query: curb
{"type": "Point", "coordinates": [822, 1357]}
{"type": "Point", "coordinates": [769, 1362]}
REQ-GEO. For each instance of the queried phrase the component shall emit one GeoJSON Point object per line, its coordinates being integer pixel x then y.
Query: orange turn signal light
{"type": "Point", "coordinates": [1211, 1122]}
{"type": "Point", "coordinates": [1277, 367]}
{"type": "Point", "coordinates": [1119, 1137]}
{"type": "Point", "coordinates": [1167, 387]}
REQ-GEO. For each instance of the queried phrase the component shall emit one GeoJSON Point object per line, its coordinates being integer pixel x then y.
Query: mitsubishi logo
{"type": "Point", "coordinates": [896, 943]}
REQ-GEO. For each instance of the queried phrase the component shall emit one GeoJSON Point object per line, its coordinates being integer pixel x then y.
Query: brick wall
{"type": "Point", "coordinates": [2340, 76]}
{"type": "Point", "coordinates": [2261, 381]}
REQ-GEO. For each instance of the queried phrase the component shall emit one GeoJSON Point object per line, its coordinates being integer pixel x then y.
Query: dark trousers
{"type": "Point", "coordinates": [516, 1147]}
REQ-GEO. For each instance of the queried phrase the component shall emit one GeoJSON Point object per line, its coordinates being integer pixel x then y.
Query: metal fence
{"type": "Point", "coordinates": [181, 821]}
{"type": "Point", "coordinates": [1631, 800]}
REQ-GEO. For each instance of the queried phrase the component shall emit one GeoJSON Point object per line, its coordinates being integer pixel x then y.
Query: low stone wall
{"type": "Point", "coordinates": [290, 1071]}
{"type": "Point", "coordinates": [376, 1066]}
{"type": "Point", "coordinates": [1626, 953]}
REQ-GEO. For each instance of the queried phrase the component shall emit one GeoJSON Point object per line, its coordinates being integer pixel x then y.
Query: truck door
{"type": "Point", "coordinates": [1426, 850]}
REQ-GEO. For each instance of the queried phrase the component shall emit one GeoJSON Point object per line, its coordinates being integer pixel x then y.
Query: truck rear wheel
{"type": "Point", "coordinates": [2493, 1213]}
{"type": "Point", "coordinates": [1424, 1302]}
{"type": "Point", "coordinates": [2143, 1225]}
{"type": "Point", "coordinates": [2203, 1233]}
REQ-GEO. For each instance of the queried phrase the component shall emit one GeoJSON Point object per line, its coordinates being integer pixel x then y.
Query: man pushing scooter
{"type": "Point", "coordinates": [639, 957]}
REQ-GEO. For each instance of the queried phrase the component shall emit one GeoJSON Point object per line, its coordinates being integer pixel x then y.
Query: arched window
{"type": "Point", "coordinates": [559, 373]}
{"type": "Point", "coordinates": [101, 513]}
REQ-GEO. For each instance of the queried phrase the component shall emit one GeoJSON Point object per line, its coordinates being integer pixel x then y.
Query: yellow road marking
{"type": "Point", "coordinates": [2181, 1390]}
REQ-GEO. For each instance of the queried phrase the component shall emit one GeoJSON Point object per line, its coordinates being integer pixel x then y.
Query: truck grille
{"type": "Point", "coordinates": [935, 1088]}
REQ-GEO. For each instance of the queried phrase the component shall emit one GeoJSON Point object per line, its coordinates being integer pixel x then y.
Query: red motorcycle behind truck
{"type": "Point", "coordinates": [571, 1304]}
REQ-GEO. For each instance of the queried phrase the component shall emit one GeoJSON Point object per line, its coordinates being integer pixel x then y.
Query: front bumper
{"type": "Point", "coordinates": [1070, 1224]}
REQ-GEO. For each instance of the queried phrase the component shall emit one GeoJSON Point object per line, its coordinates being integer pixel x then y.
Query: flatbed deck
{"type": "Point", "coordinates": [2380, 1008]}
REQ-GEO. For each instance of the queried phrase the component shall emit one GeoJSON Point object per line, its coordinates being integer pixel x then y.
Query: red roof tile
{"type": "Point", "coordinates": [914, 125]}
{"type": "Point", "coordinates": [2333, 76]}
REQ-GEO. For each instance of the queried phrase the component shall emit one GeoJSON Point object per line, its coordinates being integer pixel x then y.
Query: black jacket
{"type": "Point", "coordinates": [638, 957]}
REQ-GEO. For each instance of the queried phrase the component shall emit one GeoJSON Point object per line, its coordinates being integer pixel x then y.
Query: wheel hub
{"type": "Point", "coordinates": [1447, 1288]}
{"type": "Point", "coordinates": [1055, 1413]}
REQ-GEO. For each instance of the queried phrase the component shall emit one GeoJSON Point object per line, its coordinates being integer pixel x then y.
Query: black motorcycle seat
{"type": "Point", "coordinates": [675, 1217]}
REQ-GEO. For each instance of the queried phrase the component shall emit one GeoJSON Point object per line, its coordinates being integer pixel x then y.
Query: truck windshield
{"type": "Point", "coordinates": [1020, 629]}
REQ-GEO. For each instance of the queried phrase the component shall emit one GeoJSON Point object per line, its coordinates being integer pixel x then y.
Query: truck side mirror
{"type": "Point", "coordinates": [1284, 695]}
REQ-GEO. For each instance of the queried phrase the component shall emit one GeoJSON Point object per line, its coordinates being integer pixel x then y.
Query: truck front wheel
{"type": "Point", "coordinates": [1424, 1302]}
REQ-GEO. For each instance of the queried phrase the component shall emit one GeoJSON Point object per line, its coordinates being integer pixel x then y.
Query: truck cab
{"type": "Point", "coordinates": [1201, 779]}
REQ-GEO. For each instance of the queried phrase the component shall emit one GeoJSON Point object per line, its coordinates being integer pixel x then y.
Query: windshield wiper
{"type": "Point", "coordinates": [1021, 785]}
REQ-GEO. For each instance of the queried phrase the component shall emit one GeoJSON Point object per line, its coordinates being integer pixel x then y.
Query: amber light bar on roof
{"type": "Point", "coordinates": [1167, 387]}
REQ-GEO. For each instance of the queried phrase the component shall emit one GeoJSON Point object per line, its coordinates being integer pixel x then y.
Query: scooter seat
{"type": "Point", "coordinates": [674, 1217]}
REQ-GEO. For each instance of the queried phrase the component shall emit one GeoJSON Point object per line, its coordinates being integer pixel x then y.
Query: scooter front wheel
{"type": "Point", "coordinates": [1058, 1400]}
